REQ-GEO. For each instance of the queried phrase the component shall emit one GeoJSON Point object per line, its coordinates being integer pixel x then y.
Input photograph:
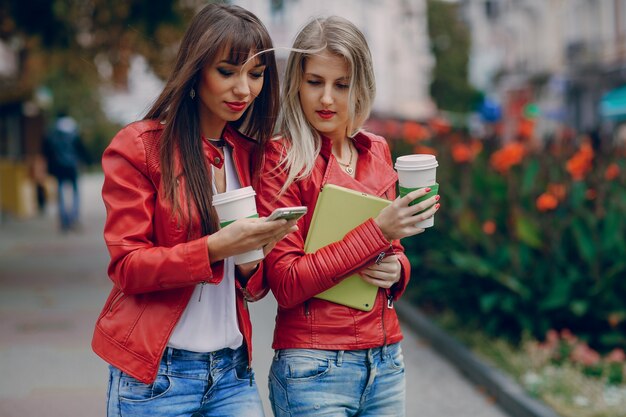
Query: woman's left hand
{"type": "Point", "coordinates": [385, 274]}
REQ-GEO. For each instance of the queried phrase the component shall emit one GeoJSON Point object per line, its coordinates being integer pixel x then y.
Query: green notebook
{"type": "Point", "coordinates": [337, 211]}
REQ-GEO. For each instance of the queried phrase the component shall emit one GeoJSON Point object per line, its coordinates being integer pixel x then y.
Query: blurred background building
{"type": "Point", "coordinates": [532, 68]}
{"type": "Point", "coordinates": [566, 58]}
{"type": "Point", "coordinates": [397, 33]}
{"type": "Point", "coordinates": [21, 131]}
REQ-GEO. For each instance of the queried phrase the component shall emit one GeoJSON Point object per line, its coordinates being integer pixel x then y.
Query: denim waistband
{"type": "Point", "coordinates": [339, 356]}
{"type": "Point", "coordinates": [171, 353]}
{"type": "Point", "coordinates": [201, 365]}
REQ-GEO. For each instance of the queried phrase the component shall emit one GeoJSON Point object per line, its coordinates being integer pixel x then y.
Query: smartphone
{"type": "Point", "coordinates": [287, 213]}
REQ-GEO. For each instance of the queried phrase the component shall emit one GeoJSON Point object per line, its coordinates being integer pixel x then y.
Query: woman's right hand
{"type": "Point", "coordinates": [247, 234]}
{"type": "Point", "coordinates": [398, 220]}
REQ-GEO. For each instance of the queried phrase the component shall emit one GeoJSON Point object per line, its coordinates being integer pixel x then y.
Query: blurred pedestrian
{"type": "Point", "coordinates": [175, 328]}
{"type": "Point", "coordinates": [64, 151]}
{"type": "Point", "coordinates": [331, 359]}
{"type": "Point", "coordinates": [39, 175]}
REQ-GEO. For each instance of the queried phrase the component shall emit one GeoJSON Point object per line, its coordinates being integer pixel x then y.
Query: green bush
{"type": "Point", "coordinates": [528, 239]}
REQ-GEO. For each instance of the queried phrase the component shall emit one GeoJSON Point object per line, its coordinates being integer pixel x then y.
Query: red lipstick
{"type": "Point", "coordinates": [325, 114]}
{"type": "Point", "coordinates": [236, 106]}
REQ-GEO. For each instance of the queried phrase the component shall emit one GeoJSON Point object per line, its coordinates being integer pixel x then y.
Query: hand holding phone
{"type": "Point", "coordinates": [287, 213]}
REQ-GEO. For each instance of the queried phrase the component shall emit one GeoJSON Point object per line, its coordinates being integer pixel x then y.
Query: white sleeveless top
{"type": "Point", "coordinates": [209, 322]}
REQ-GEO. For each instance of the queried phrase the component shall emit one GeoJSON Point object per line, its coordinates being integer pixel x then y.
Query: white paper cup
{"type": "Point", "coordinates": [234, 205]}
{"type": "Point", "coordinates": [417, 171]}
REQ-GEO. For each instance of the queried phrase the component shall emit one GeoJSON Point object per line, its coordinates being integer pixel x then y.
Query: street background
{"type": "Point", "coordinates": [523, 102]}
{"type": "Point", "coordinates": [52, 287]}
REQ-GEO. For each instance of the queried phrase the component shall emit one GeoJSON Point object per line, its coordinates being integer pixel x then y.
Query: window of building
{"type": "Point", "coordinates": [491, 9]}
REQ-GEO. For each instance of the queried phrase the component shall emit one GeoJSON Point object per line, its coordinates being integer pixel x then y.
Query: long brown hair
{"type": "Point", "coordinates": [215, 27]}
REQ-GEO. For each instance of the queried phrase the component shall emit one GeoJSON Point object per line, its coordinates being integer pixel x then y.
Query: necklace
{"type": "Point", "coordinates": [347, 167]}
{"type": "Point", "coordinates": [218, 143]}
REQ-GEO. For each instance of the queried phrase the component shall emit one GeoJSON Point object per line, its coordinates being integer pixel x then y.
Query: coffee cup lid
{"type": "Point", "coordinates": [233, 195]}
{"type": "Point", "coordinates": [416, 162]}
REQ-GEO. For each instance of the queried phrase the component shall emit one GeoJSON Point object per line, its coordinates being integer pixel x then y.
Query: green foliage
{"type": "Point", "coordinates": [64, 43]}
{"type": "Point", "coordinates": [104, 28]}
{"type": "Point", "coordinates": [509, 264]}
{"type": "Point", "coordinates": [450, 43]}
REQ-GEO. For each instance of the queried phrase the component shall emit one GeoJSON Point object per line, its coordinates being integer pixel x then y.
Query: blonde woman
{"type": "Point", "coordinates": [331, 359]}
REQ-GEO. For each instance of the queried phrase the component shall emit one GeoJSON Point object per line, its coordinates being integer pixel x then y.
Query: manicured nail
{"type": "Point", "coordinates": [437, 206]}
{"type": "Point", "coordinates": [428, 190]}
{"type": "Point", "coordinates": [437, 197]}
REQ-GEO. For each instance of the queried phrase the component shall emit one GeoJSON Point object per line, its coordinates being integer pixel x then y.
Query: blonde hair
{"type": "Point", "coordinates": [339, 37]}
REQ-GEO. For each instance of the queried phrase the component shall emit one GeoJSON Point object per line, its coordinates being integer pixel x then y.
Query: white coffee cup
{"type": "Point", "coordinates": [234, 205]}
{"type": "Point", "coordinates": [418, 171]}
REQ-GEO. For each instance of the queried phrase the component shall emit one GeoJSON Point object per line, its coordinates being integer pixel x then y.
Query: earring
{"type": "Point", "coordinates": [192, 93]}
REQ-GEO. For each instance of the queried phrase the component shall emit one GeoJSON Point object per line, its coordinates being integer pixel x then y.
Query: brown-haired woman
{"type": "Point", "coordinates": [175, 328]}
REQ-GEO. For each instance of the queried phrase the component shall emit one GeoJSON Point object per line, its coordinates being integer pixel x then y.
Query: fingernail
{"type": "Point", "coordinates": [437, 197]}
{"type": "Point", "coordinates": [428, 190]}
{"type": "Point", "coordinates": [437, 206]}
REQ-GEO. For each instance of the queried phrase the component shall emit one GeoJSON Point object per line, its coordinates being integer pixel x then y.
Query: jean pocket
{"type": "Point", "coordinates": [304, 369]}
{"type": "Point", "coordinates": [243, 372]}
{"type": "Point", "coordinates": [396, 359]}
{"type": "Point", "coordinates": [133, 390]}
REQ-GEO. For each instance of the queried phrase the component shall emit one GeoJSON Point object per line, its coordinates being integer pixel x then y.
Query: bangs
{"type": "Point", "coordinates": [244, 43]}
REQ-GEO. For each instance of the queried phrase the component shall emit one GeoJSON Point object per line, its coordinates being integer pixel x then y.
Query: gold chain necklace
{"type": "Point", "coordinates": [347, 167]}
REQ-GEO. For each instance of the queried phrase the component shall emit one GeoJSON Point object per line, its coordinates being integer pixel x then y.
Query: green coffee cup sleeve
{"type": "Point", "coordinates": [434, 190]}
{"type": "Point", "coordinates": [226, 223]}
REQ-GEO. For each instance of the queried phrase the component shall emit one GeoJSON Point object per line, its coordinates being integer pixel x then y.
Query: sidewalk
{"type": "Point", "coordinates": [52, 287]}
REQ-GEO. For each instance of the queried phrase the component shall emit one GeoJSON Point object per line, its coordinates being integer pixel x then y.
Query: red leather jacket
{"type": "Point", "coordinates": [155, 264]}
{"type": "Point", "coordinates": [295, 277]}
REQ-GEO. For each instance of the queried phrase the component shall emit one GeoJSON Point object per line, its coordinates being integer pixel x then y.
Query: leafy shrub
{"type": "Point", "coordinates": [529, 238]}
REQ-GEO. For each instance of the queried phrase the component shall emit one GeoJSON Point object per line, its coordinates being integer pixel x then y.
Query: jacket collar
{"type": "Point", "coordinates": [242, 148]}
{"type": "Point", "coordinates": [232, 138]}
{"type": "Point", "coordinates": [212, 152]}
{"type": "Point", "coordinates": [374, 175]}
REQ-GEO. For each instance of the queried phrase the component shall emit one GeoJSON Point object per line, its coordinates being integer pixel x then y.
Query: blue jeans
{"type": "Point", "coordinates": [310, 382]}
{"type": "Point", "coordinates": [189, 384]}
{"type": "Point", "coordinates": [68, 214]}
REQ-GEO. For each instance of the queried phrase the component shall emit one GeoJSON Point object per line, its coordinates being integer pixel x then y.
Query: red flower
{"type": "Point", "coordinates": [526, 128]}
{"type": "Point", "coordinates": [391, 128]}
{"type": "Point", "coordinates": [489, 227]}
{"type": "Point", "coordinates": [568, 336]}
{"type": "Point", "coordinates": [439, 125]}
{"type": "Point", "coordinates": [614, 320]}
{"type": "Point", "coordinates": [461, 153]}
{"type": "Point", "coordinates": [616, 356]}
{"type": "Point", "coordinates": [579, 165]}
{"type": "Point", "coordinates": [512, 154]}
{"type": "Point", "coordinates": [612, 172]}
{"type": "Point", "coordinates": [424, 149]}
{"type": "Point", "coordinates": [547, 201]}
{"type": "Point", "coordinates": [466, 152]}
{"type": "Point", "coordinates": [552, 338]}
{"type": "Point", "coordinates": [413, 132]}
{"type": "Point", "coordinates": [583, 354]}
{"type": "Point", "coordinates": [557, 190]}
